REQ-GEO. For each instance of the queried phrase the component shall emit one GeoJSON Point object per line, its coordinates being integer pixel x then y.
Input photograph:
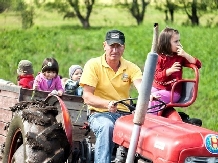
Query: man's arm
{"type": "Point", "coordinates": [91, 99]}
{"type": "Point", "coordinates": [137, 84]}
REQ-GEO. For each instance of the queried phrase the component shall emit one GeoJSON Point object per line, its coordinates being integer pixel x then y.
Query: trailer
{"type": "Point", "coordinates": [17, 106]}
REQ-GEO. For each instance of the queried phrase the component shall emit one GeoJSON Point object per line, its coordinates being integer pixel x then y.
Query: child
{"type": "Point", "coordinates": [72, 85]}
{"type": "Point", "coordinates": [48, 79]}
{"type": "Point", "coordinates": [171, 58]}
{"type": "Point", "coordinates": [25, 73]}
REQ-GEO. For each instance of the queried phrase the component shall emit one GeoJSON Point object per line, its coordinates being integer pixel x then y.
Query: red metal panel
{"type": "Point", "coordinates": [164, 139]}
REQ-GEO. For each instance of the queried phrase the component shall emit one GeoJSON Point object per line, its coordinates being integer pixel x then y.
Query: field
{"type": "Point", "coordinates": [70, 44]}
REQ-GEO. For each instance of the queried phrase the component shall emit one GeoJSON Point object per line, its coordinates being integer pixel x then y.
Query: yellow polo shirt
{"type": "Point", "coordinates": [108, 84]}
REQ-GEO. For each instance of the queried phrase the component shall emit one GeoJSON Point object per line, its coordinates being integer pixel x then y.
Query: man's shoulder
{"type": "Point", "coordinates": [128, 63]}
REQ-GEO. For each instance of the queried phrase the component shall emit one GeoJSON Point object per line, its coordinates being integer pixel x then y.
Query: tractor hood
{"type": "Point", "coordinates": [165, 140]}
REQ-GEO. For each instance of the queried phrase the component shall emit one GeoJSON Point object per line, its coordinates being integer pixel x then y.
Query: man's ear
{"type": "Point", "coordinates": [104, 44]}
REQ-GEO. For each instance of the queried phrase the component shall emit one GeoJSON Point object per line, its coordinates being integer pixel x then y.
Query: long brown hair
{"type": "Point", "coordinates": [164, 45]}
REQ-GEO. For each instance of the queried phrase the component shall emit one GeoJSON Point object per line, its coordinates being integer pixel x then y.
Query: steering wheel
{"type": "Point", "coordinates": [132, 106]}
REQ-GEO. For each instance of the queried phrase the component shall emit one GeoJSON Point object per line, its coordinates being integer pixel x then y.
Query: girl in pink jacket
{"type": "Point", "coordinates": [48, 79]}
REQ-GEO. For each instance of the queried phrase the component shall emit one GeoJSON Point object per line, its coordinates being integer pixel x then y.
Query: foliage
{"type": "Point", "coordinates": [4, 4]}
{"type": "Point", "coordinates": [26, 11]}
{"type": "Point", "coordinates": [60, 6]}
{"type": "Point", "coordinates": [27, 17]}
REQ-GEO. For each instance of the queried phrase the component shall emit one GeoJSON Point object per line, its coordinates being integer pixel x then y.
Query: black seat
{"type": "Point", "coordinates": [187, 92]}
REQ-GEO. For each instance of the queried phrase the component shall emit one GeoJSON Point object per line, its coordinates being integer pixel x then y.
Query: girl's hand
{"type": "Point", "coordinates": [54, 92]}
{"type": "Point", "coordinates": [180, 51]}
{"type": "Point", "coordinates": [175, 68]}
{"type": "Point", "coordinates": [60, 93]}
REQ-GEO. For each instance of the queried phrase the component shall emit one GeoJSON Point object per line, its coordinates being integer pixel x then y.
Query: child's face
{"type": "Point", "coordinates": [50, 74]}
{"type": "Point", "coordinates": [175, 42]}
{"type": "Point", "coordinates": [77, 75]}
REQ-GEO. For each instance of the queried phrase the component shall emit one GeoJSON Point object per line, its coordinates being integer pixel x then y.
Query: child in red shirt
{"type": "Point", "coordinates": [171, 59]}
{"type": "Point", "coordinates": [25, 74]}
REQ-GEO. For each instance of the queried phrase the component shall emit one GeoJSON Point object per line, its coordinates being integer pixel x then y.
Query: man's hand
{"type": "Point", "coordinates": [112, 107]}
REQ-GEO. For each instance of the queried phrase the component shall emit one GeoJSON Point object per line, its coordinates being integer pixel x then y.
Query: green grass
{"type": "Point", "coordinates": [70, 44]}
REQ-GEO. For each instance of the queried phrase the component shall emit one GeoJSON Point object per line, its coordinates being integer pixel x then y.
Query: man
{"type": "Point", "coordinates": [105, 80]}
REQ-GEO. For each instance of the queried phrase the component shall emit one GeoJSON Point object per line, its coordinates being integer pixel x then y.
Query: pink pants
{"type": "Point", "coordinates": [165, 96]}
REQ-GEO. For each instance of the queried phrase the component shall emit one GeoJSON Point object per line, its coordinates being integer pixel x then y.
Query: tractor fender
{"type": "Point", "coordinates": [66, 121]}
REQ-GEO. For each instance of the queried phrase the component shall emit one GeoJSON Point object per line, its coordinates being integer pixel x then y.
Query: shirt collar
{"type": "Point", "coordinates": [122, 63]}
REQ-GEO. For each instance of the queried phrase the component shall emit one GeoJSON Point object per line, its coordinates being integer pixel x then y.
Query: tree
{"type": "Point", "coordinates": [192, 14]}
{"type": "Point", "coordinates": [26, 11]}
{"type": "Point", "coordinates": [78, 10]}
{"type": "Point", "coordinates": [137, 9]}
{"type": "Point", "coordinates": [196, 8]}
{"type": "Point", "coordinates": [171, 7]}
{"type": "Point", "coordinates": [4, 4]}
{"type": "Point", "coordinates": [168, 6]}
{"type": "Point", "coordinates": [81, 9]}
{"type": "Point", "coordinates": [193, 8]}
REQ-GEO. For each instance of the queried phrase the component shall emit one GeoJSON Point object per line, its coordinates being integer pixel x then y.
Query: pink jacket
{"type": "Point", "coordinates": [40, 83]}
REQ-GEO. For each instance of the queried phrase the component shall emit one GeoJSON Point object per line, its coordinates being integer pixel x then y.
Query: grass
{"type": "Point", "coordinates": [70, 44]}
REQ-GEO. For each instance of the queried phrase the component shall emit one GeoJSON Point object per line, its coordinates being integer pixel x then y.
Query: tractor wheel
{"type": "Point", "coordinates": [87, 151]}
{"type": "Point", "coordinates": [34, 135]}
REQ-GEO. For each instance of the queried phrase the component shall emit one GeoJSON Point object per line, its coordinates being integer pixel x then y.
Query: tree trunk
{"type": "Point", "coordinates": [135, 10]}
{"type": "Point", "coordinates": [85, 23]}
{"type": "Point", "coordinates": [171, 14]}
{"type": "Point", "coordinates": [194, 17]}
{"type": "Point", "coordinates": [88, 5]}
{"type": "Point", "coordinates": [166, 15]}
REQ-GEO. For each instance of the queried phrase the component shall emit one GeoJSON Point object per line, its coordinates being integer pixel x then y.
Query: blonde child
{"type": "Point", "coordinates": [25, 73]}
{"type": "Point", "coordinates": [48, 79]}
{"type": "Point", "coordinates": [72, 85]}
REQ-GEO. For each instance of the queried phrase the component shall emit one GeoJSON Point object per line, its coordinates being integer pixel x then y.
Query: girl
{"type": "Point", "coordinates": [48, 79]}
{"type": "Point", "coordinates": [72, 85]}
{"type": "Point", "coordinates": [171, 58]}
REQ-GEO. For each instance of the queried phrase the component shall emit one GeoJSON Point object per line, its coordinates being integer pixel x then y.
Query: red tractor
{"type": "Point", "coordinates": [170, 137]}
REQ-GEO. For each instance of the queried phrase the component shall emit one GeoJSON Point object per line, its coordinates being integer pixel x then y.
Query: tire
{"type": "Point", "coordinates": [87, 151]}
{"type": "Point", "coordinates": [35, 136]}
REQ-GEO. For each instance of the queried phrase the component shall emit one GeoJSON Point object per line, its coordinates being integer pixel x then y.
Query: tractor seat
{"type": "Point", "coordinates": [189, 90]}
{"type": "Point", "coordinates": [188, 95]}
